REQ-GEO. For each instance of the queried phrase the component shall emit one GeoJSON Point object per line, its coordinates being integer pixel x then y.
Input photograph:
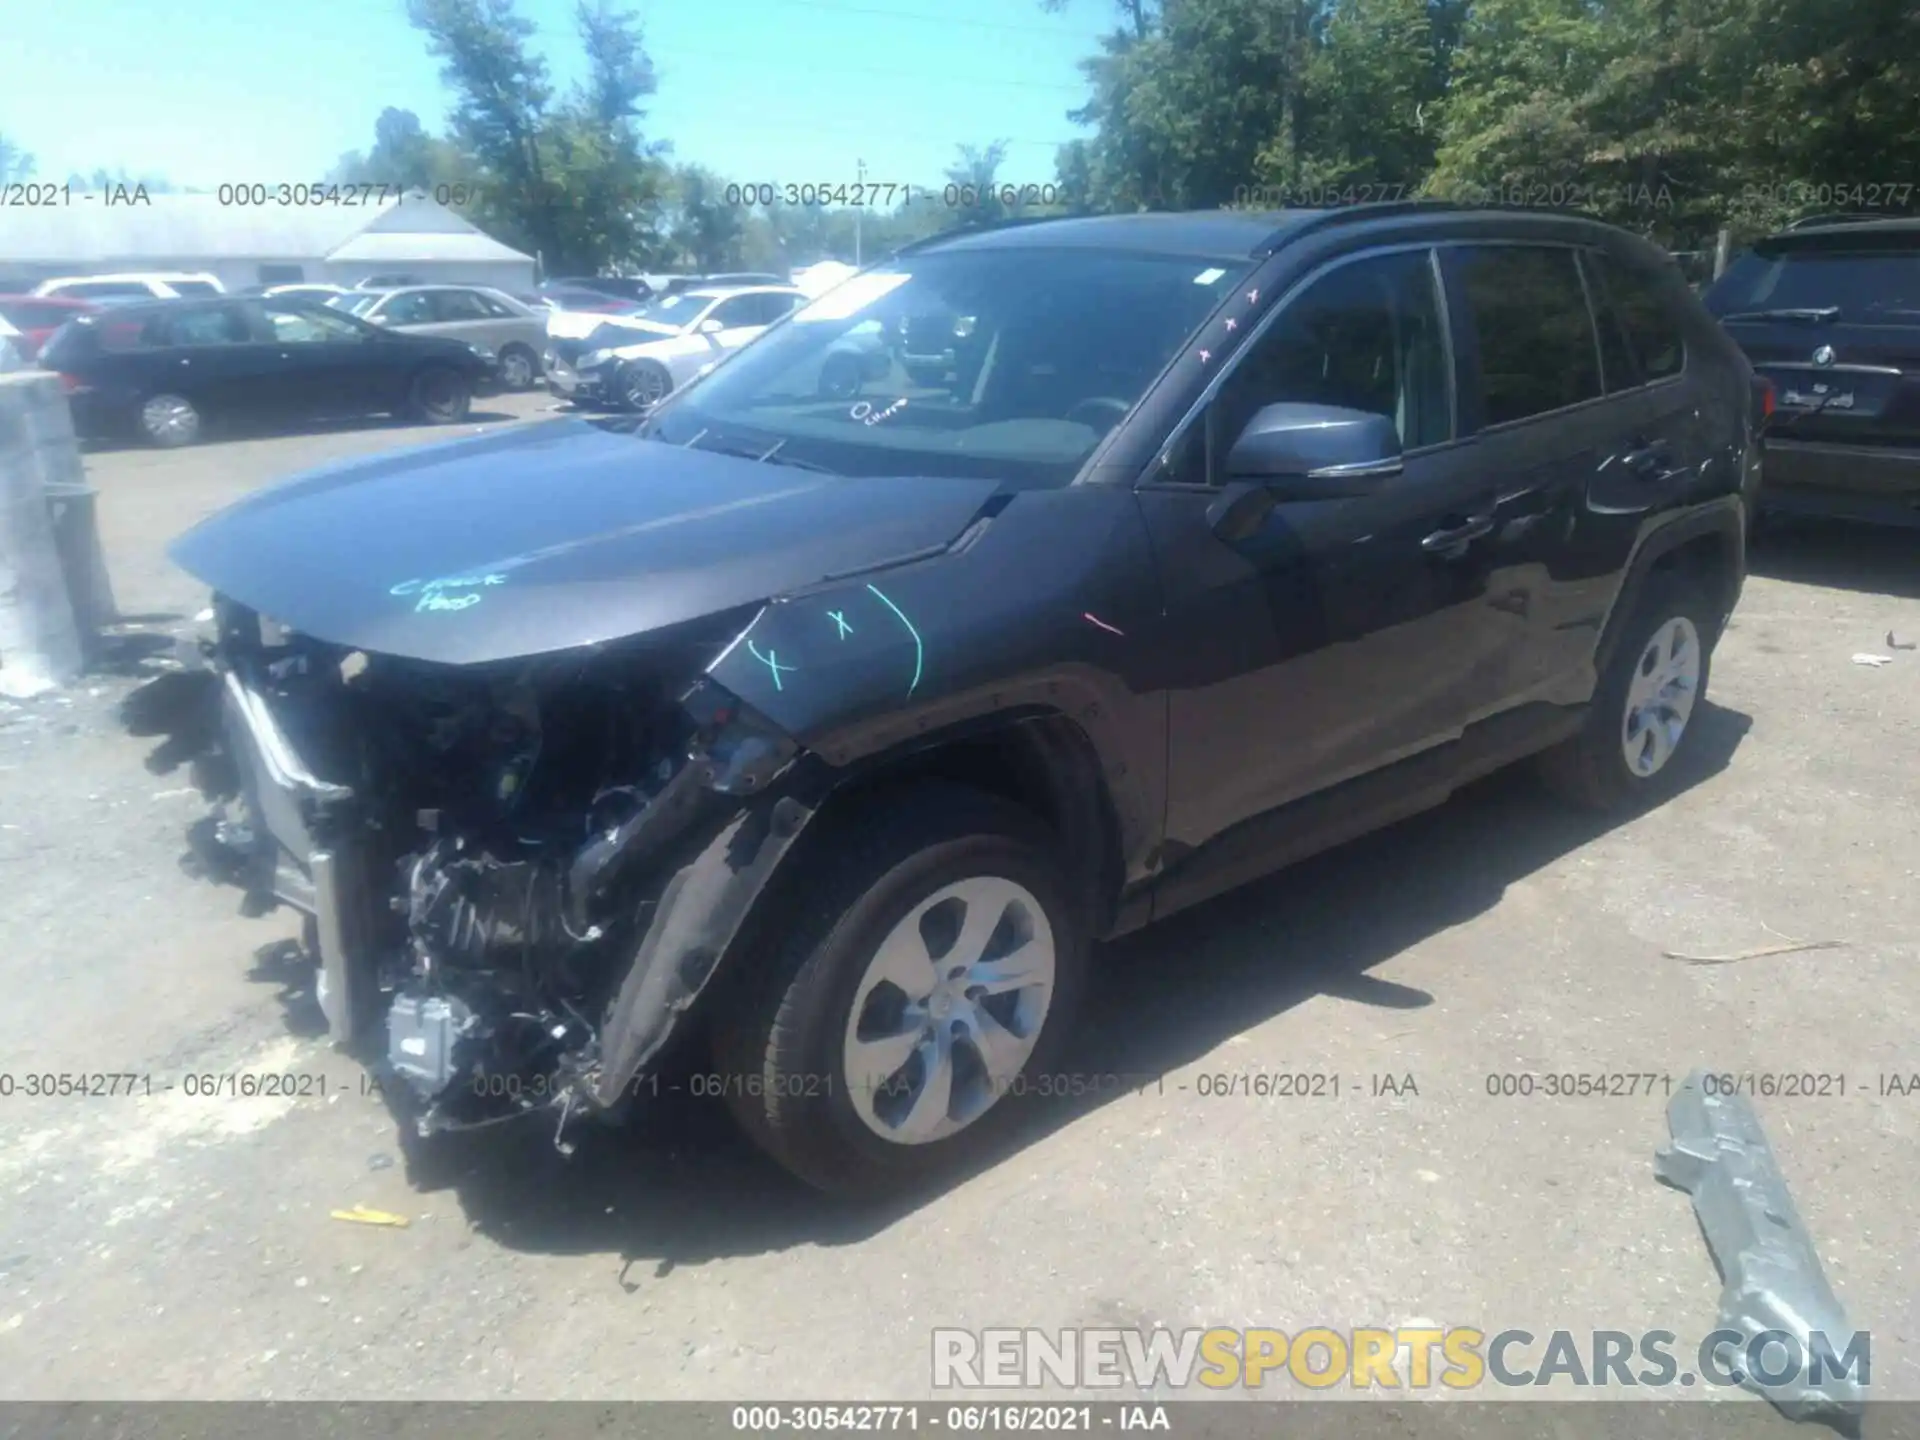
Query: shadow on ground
{"type": "Point", "coordinates": [1840, 556]}
{"type": "Point", "coordinates": [680, 1187]}
{"type": "Point", "coordinates": [255, 429]}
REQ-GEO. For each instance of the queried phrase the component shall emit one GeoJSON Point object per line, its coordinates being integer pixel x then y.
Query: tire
{"type": "Point", "coordinates": [641, 384]}
{"type": "Point", "coordinates": [169, 420]}
{"type": "Point", "coordinates": [439, 395]}
{"type": "Point", "coordinates": [1592, 769]}
{"type": "Point", "coordinates": [784, 1040]}
{"type": "Point", "coordinates": [841, 377]}
{"type": "Point", "coordinates": [519, 367]}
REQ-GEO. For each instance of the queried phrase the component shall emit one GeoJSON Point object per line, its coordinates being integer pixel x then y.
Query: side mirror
{"type": "Point", "coordinates": [711, 327]}
{"type": "Point", "coordinates": [1315, 452]}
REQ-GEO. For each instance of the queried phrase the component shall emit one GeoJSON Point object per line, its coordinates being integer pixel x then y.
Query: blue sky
{"type": "Point", "coordinates": [208, 91]}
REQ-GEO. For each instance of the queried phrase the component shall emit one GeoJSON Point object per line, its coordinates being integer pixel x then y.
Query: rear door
{"type": "Point", "coordinates": [1574, 468]}
{"type": "Point", "coordinates": [460, 315]}
{"type": "Point", "coordinates": [210, 354]}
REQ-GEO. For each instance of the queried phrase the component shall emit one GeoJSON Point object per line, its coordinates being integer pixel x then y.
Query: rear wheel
{"type": "Point", "coordinates": [932, 966]}
{"type": "Point", "coordinates": [1642, 713]}
{"type": "Point", "coordinates": [169, 420]}
{"type": "Point", "coordinates": [519, 367]}
{"type": "Point", "coordinates": [642, 384]}
{"type": "Point", "coordinates": [440, 396]}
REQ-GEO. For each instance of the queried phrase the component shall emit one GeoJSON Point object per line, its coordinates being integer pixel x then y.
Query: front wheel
{"type": "Point", "coordinates": [1643, 710]}
{"type": "Point", "coordinates": [642, 384]}
{"type": "Point", "coordinates": [440, 396]}
{"type": "Point", "coordinates": [932, 966]}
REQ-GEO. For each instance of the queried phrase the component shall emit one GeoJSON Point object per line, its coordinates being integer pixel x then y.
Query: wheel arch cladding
{"type": "Point", "coordinates": [1039, 759]}
{"type": "Point", "coordinates": [698, 915]}
{"type": "Point", "coordinates": [1707, 548]}
{"type": "Point", "coordinates": [714, 907]}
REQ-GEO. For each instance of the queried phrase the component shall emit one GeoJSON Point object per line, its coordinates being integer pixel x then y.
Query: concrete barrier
{"type": "Point", "coordinates": [40, 641]}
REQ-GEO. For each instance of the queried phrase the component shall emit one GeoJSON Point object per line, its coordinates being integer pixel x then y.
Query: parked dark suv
{"type": "Point", "coordinates": [1829, 313]}
{"type": "Point", "coordinates": [165, 369]}
{"type": "Point", "coordinates": [845, 723]}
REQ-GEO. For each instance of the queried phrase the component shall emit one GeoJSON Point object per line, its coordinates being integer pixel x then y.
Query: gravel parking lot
{"type": "Point", "coordinates": [181, 1247]}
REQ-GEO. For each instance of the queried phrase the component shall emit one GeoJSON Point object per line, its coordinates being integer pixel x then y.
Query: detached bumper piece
{"type": "Point", "coordinates": [1774, 1282]}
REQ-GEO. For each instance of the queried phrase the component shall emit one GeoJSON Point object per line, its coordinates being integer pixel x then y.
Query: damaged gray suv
{"type": "Point", "coordinates": [843, 720]}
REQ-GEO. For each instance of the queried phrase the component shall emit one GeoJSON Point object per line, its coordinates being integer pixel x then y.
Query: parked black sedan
{"type": "Point", "coordinates": [168, 369]}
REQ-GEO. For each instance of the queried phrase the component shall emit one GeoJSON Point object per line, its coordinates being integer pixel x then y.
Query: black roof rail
{"type": "Point", "coordinates": [1845, 217]}
{"type": "Point", "coordinates": [1386, 208]}
{"type": "Point", "coordinates": [975, 227]}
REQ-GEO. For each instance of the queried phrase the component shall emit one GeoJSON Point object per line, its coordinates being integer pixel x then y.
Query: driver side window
{"type": "Point", "coordinates": [1366, 336]}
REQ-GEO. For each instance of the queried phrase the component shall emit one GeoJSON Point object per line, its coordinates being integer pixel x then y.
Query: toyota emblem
{"type": "Point", "coordinates": [1824, 355]}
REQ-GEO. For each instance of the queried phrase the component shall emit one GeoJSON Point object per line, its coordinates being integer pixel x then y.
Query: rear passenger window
{"type": "Point", "coordinates": [1535, 334]}
{"type": "Point", "coordinates": [450, 306]}
{"type": "Point", "coordinates": [206, 327]}
{"type": "Point", "coordinates": [1652, 328]}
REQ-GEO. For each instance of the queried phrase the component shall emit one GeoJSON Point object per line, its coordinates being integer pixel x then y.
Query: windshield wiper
{"type": "Point", "coordinates": [1804, 312]}
{"type": "Point", "coordinates": [765, 457]}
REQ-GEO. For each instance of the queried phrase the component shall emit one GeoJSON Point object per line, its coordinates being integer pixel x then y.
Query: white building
{"type": "Point", "coordinates": [249, 245]}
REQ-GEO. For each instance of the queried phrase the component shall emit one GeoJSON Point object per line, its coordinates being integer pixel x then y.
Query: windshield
{"type": "Point", "coordinates": [1859, 284]}
{"type": "Point", "coordinates": [357, 302]}
{"type": "Point", "coordinates": [1009, 364]}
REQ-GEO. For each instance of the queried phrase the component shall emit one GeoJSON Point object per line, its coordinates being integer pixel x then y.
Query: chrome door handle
{"type": "Point", "coordinates": [1458, 536]}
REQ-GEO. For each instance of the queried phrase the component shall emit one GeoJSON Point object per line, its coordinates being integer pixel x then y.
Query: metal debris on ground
{"type": "Point", "coordinates": [361, 1215]}
{"type": "Point", "coordinates": [1874, 660]}
{"type": "Point", "coordinates": [1773, 1279]}
{"type": "Point", "coordinates": [1791, 948]}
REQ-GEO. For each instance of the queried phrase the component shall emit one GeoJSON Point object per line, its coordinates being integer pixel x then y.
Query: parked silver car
{"type": "Point", "coordinates": [635, 361]}
{"type": "Point", "coordinates": [512, 332]}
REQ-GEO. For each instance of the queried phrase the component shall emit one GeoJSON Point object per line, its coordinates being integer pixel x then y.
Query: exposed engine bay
{"type": "Point", "coordinates": [501, 864]}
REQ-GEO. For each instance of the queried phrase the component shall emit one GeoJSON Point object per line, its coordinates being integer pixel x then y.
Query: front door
{"type": "Point", "coordinates": [1344, 634]}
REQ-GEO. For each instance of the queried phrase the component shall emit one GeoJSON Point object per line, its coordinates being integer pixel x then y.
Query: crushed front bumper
{"type": "Point", "coordinates": [702, 853]}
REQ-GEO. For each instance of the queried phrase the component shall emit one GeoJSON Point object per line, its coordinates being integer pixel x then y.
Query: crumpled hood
{"type": "Point", "coordinates": [551, 535]}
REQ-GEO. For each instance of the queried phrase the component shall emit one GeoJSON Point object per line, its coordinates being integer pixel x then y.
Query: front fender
{"type": "Point", "coordinates": [1046, 607]}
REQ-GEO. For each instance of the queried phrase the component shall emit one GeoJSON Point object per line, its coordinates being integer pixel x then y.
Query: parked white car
{"type": "Point", "coordinates": [141, 285]}
{"type": "Point", "coordinates": [636, 361]}
{"type": "Point", "coordinates": [512, 332]}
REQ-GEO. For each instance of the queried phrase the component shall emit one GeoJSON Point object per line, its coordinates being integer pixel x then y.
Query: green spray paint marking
{"type": "Point", "coordinates": [841, 621]}
{"type": "Point", "coordinates": [771, 663]}
{"type": "Point", "coordinates": [919, 650]}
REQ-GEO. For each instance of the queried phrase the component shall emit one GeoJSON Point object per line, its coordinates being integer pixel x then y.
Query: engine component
{"type": "Point", "coordinates": [424, 1033]}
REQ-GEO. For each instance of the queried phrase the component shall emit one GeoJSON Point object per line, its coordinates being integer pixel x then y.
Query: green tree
{"type": "Point", "coordinates": [1366, 85]}
{"type": "Point", "coordinates": [404, 155]}
{"type": "Point", "coordinates": [1141, 15]}
{"type": "Point", "coordinates": [976, 173]}
{"type": "Point", "coordinates": [572, 181]}
{"type": "Point", "coordinates": [707, 233]}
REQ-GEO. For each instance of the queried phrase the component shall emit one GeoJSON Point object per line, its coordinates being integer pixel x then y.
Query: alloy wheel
{"type": "Point", "coordinates": [1660, 698]}
{"type": "Point", "coordinates": [949, 1010]}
